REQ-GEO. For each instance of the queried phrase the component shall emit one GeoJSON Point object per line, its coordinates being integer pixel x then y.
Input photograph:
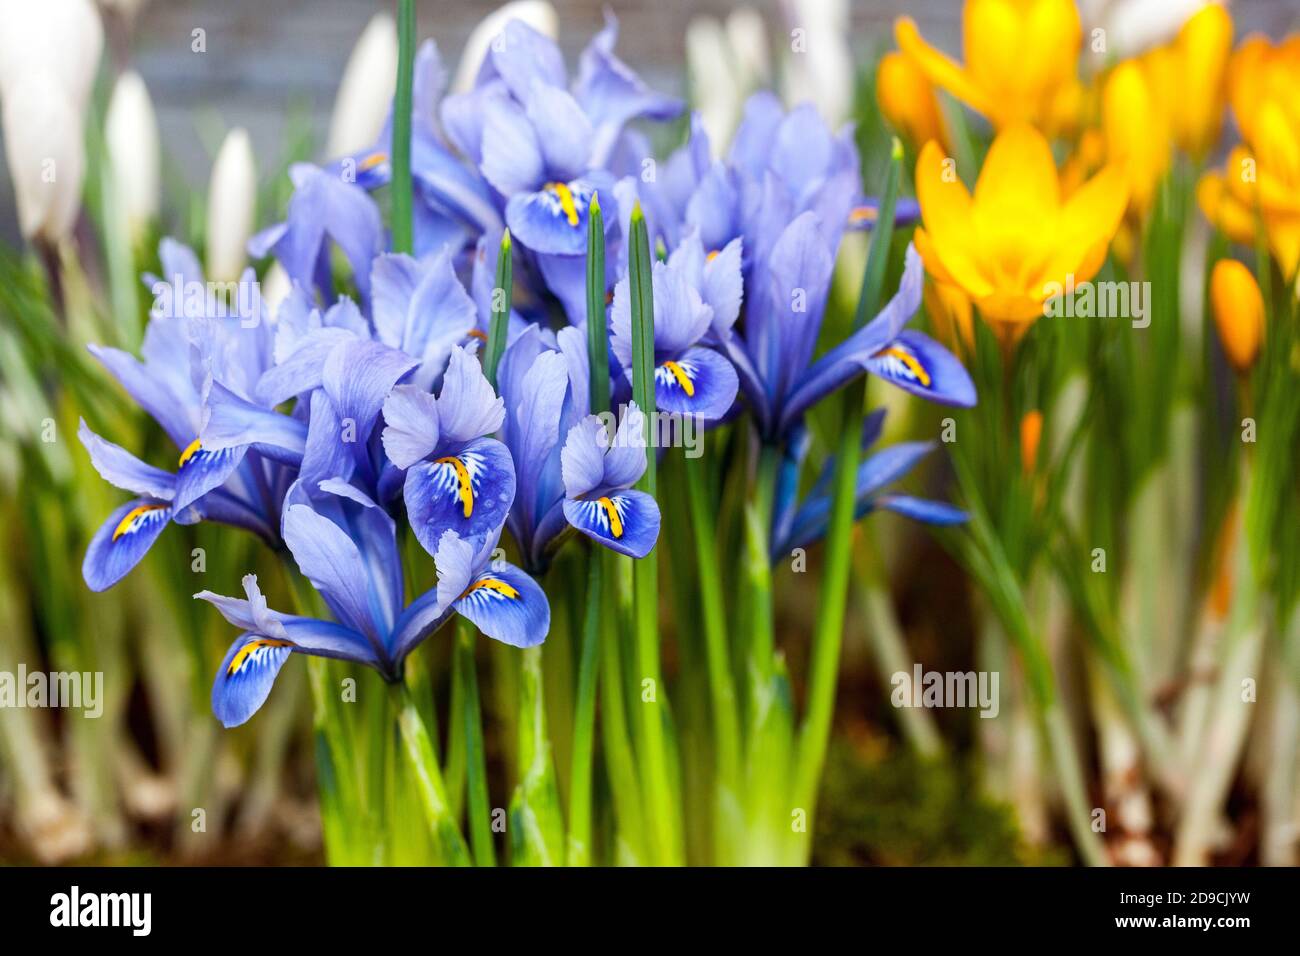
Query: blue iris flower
{"type": "Point", "coordinates": [346, 546]}
{"type": "Point", "coordinates": [599, 471]}
{"type": "Point", "coordinates": [789, 189]}
{"type": "Point", "coordinates": [331, 203]}
{"type": "Point", "coordinates": [324, 208]}
{"type": "Point", "coordinates": [457, 477]}
{"type": "Point", "coordinates": [546, 148]}
{"type": "Point", "coordinates": [548, 433]}
{"type": "Point", "coordinates": [774, 358]}
{"type": "Point", "coordinates": [342, 368]}
{"type": "Point", "coordinates": [696, 301]}
{"type": "Point", "coordinates": [797, 523]}
{"type": "Point", "coordinates": [193, 345]}
{"type": "Point", "coordinates": [455, 204]}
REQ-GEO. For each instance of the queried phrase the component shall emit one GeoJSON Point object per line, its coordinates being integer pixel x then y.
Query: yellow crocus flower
{"type": "Point", "coordinates": [1007, 245]}
{"type": "Point", "coordinates": [950, 311]}
{"type": "Point", "coordinates": [1021, 61]}
{"type": "Point", "coordinates": [908, 101]}
{"type": "Point", "coordinates": [1238, 308]}
{"type": "Point", "coordinates": [1136, 132]}
{"type": "Point", "coordinates": [1262, 176]}
{"type": "Point", "coordinates": [1196, 102]}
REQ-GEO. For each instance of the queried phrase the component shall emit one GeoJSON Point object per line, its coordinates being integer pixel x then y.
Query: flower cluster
{"type": "Point", "coordinates": [360, 410]}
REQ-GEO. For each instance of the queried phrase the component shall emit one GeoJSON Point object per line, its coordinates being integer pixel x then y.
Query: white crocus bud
{"type": "Point", "coordinates": [538, 14]}
{"type": "Point", "coordinates": [131, 135]}
{"type": "Point", "coordinates": [45, 154]}
{"type": "Point", "coordinates": [59, 38]}
{"type": "Point", "coordinates": [232, 199]}
{"type": "Point", "coordinates": [276, 287]}
{"type": "Point", "coordinates": [820, 61]}
{"type": "Point", "coordinates": [716, 91]}
{"type": "Point", "coordinates": [366, 89]}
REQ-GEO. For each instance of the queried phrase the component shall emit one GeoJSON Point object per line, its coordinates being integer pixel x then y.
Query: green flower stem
{"type": "Point", "coordinates": [454, 762]}
{"type": "Point", "coordinates": [403, 235]}
{"type": "Point", "coordinates": [726, 725]}
{"type": "Point", "coordinates": [502, 296]}
{"type": "Point", "coordinates": [616, 741]}
{"type": "Point", "coordinates": [660, 802]}
{"type": "Point", "coordinates": [479, 810]}
{"type": "Point", "coordinates": [988, 563]}
{"type": "Point", "coordinates": [584, 721]}
{"type": "Point", "coordinates": [597, 324]}
{"type": "Point", "coordinates": [593, 625]}
{"type": "Point", "coordinates": [448, 842]}
{"type": "Point", "coordinates": [758, 522]}
{"type": "Point", "coordinates": [335, 766]}
{"type": "Point", "coordinates": [827, 636]}
{"type": "Point", "coordinates": [893, 655]}
{"type": "Point", "coordinates": [537, 824]}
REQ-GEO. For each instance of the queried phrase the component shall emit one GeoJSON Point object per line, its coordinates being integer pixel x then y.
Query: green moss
{"type": "Point", "coordinates": [898, 810]}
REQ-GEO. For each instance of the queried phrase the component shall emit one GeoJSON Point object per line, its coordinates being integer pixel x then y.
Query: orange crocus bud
{"type": "Point", "coordinates": [908, 101]}
{"type": "Point", "coordinates": [1031, 431]}
{"type": "Point", "coordinates": [1238, 308]}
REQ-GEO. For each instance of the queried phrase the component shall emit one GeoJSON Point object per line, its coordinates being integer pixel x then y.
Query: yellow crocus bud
{"type": "Point", "coordinates": [908, 101]}
{"type": "Point", "coordinates": [1238, 308]}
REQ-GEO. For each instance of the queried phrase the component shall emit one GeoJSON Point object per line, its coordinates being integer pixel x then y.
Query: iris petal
{"type": "Point", "coordinates": [201, 470]}
{"type": "Point", "coordinates": [553, 219]}
{"type": "Point", "coordinates": [468, 490]}
{"type": "Point", "coordinates": [123, 540]}
{"type": "Point", "coordinates": [122, 469]}
{"type": "Point", "coordinates": [245, 677]}
{"type": "Point", "coordinates": [921, 509]}
{"type": "Point", "coordinates": [626, 521]}
{"type": "Point", "coordinates": [918, 364]}
{"type": "Point", "coordinates": [507, 605]}
{"type": "Point", "coordinates": [700, 382]}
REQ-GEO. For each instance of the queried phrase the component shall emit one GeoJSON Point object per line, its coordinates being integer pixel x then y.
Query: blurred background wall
{"type": "Point", "coordinates": [273, 62]}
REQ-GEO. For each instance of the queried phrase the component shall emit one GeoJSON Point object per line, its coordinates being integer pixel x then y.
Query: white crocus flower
{"type": "Point", "coordinates": [232, 200]}
{"type": "Point", "coordinates": [49, 53]}
{"type": "Point", "coordinates": [820, 63]}
{"type": "Point", "coordinates": [716, 90]}
{"type": "Point", "coordinates": [538, 14]}
{"type": "Point", "coordinates": [747, 38]}
{"type": "Point", "coordinates": [1131, 27]}
{"type": "Point", "coordinates": [726, 63]}
{"type": "Point", "coordinates": [60, 38]}
{"type": "Point", "coordinates": [366, 90]}
{"type": "Point", "coordinates": [131, 136]}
